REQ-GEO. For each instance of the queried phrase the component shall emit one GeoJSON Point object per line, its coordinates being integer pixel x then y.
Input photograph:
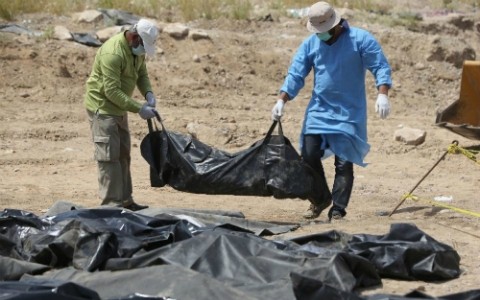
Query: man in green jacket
{"type": "Point", "coordinates": [119, 67]}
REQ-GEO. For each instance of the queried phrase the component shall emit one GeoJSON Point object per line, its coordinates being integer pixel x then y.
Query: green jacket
{"type": "Point", "coordinates": [116, 72]}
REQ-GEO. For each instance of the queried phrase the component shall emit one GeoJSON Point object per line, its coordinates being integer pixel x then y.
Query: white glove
{"type": "Point", "coordinates": [150, 99]}
{"type": "Point", "coordinates": [147, 112]}
{"type": "Point", "coordinates": [382, 106]}
{"type": "Point", "coordinates": [277, 110]}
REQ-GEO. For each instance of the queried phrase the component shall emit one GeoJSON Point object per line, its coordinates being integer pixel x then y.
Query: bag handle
{"type": "Point", "coordinates": [272, 127]}
{"type": "Point", "coordinates": [270, 131]}
{"type": "Point", "coordinates": [151, 123]}
{"type": "Point", "coordinates": [280, 129]}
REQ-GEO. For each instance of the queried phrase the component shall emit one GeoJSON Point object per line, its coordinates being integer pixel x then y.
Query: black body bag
{"type": "Point", "coordinates": [270, 167]}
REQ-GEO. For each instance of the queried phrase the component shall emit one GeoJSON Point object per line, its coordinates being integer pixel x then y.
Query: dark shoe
{"type": "Point", "coordinates": [316, 209]}
{"type": "Point", "coordinates": [134, 206]}
{"type": "Point", "coordinates": [336, 213]}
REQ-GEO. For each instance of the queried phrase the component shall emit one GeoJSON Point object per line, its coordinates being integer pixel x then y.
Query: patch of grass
{"type": "Point", "coordinates": [276, 5]}
{"type": "Point", "coordinates": [299, 3]}
{"type": "Point", "coordinates": [61, 7]}
{"type": "Point", "coordinates": [454, 4]}
{"type": "Point", "coordinates": [9, 9]}
{"type": "Point", "coordinates": [213, 9]}
{"type": "Point", "coordinates": [147, 8]}
{"type": "Point", "coordinates": [407, 19]}
{"type": "Point", "coordinates": [5, 13]}
{"type": "Point", "coordinates": [240, 9]}
{"type": "Point", "coordinates": [48, 33]}
{"type": "Point", "coordinates": [195, 9]}
{"type": "Point", "coordinates": [206, 9]}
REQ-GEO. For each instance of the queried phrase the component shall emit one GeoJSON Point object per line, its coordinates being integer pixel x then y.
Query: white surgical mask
{"type": "Point", "coordinates": [139, 50]}
{"type": "Point", "coordinates": [324, 36]}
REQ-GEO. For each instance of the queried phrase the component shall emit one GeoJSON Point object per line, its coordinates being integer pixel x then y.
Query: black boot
{"type": "Point", "coordinates": [134, 206]}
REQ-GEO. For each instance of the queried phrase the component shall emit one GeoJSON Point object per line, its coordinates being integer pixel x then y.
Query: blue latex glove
{"type": "Point", "coordinates": [147, 112]}
{"type": "Point", "coordinates": [151, 99]}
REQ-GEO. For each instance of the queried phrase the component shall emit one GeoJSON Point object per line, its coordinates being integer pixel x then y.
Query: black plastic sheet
{"type": "Point", "coordinates": [50, 289]}
{"type": "Point", "coordinates": [407, 253]}
{"type": "Point", "coordinates": [198, 219]}
{"type": "Point", "coordinates": [18, 29]}
{"type": "Point", "coordinates": [117, 253]}
{"type": "Point", "coordinates": [119, 17]}
{"type": "Point", "coordinates": [158, 281]}
{"type": "Point", "coordinates": [45, 289]}
{"type": "Point", "coordinates": [206, 218]}
{"type": "Point", "coordinates": [88, 39]}
{"type": "Point", "coordinates": [270, 167]}
{"type": "Point", "coordinates": [416, 295]}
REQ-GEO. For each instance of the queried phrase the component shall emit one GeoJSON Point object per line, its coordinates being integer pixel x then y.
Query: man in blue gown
{"type": "Point", "coordinates": [336, 116]}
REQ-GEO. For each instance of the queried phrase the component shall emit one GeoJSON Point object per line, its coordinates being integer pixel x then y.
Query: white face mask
{"type": "Point", "coordinates": [139, 50]}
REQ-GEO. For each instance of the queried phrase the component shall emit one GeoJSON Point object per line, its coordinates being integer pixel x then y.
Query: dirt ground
{"type": "Point", "coordinates": [226, 97]}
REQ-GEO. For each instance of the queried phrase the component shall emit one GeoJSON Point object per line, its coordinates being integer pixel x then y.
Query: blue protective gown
{"type": "Point", "coordinates": [338, 108]}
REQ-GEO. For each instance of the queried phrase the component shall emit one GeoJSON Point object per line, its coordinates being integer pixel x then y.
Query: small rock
{"type": "Point", "coordinates": [192, 129]}
{"type": "Point", "coordinates": [62, 33]}
{"type": "Point", "coordinates": [410, 136]}
{"type": "Point", "coordinates": [88, 16]}
{"type": "Point", "coordinates": [108, 32]}
{"type": "Point", "coordinates": [196, 35]}
{"type": "Point", "coordinates": [176, 30]}
{"type": "Point", "coordinates": [419, 66]}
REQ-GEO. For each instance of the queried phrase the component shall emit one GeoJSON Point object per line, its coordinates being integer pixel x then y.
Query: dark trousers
{"type": "Point", "coordinates": [343, 183]}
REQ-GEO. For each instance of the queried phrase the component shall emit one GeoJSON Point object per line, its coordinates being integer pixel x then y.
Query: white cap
{"type": "Point", "coordinates": [322, 17]}
{"type": "Point", "coordinates": [148, 32]}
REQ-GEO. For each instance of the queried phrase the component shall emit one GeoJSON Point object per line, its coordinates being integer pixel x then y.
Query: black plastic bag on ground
{"type": "Point", "coordinates": [37, 289]}
{"type": "Point", "coordinates": [407, 253]}
{"type": "Point", "coordinates": [205, 262]}
{"type": "Point", "coordinates": [270, 167]}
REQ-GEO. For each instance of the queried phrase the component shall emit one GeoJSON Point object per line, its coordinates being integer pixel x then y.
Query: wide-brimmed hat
{"type": "Point", "coordinates": [149, 33]}
{"type": "Point", "coordinates": [322, 17]}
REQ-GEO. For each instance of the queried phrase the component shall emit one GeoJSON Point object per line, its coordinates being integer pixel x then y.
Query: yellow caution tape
{"type": "Point", "coordinates": [454, 149]}
{"type": "Point", "coordinates": [436, 203]}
